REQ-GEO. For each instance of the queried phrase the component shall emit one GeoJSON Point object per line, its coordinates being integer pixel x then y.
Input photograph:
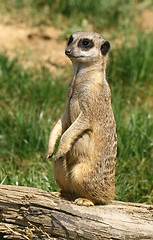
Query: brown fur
{"type": "Point", "coordinates": [84, 166]}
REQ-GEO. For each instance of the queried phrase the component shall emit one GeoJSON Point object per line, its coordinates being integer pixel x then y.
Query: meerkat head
{"type": "Point", "coordinates": [86, 47]}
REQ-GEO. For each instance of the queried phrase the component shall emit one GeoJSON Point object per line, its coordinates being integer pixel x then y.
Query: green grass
{"type": "Point", "coordinates": [130, 73]}
{"type": "Point", "coordinates": [31, 101]}
{"type": "Point", "coordinates": [99, 13]}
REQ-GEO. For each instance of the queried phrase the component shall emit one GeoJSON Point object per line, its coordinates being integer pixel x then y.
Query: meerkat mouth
{"type": "Point", "coordinates": [76, 56]}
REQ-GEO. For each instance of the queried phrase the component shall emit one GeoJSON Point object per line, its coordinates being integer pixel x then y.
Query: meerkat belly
{"type": "Point", "coordinates": [81, 149]}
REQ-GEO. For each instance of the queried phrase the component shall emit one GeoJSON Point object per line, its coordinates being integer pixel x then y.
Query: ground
{"type": "Point", "coordinates": [35, 46]}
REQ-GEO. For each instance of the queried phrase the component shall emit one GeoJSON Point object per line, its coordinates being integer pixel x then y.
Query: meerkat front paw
{"type": "Point", "coordinates": [49, 154]}
{"type": "Point", "coordinates": [83, 202]}
{"type": "Point", "coordinates": [59, 155]}
{"type": "Point", "coordinates": [62, 151]}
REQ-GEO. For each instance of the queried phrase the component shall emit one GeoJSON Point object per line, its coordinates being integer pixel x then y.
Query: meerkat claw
{"type": "Point", "coordinates": [49, 156]}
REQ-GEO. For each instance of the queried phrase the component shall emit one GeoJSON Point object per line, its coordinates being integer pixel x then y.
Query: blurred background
{"type": "Point", "coordinates": [34, 74]}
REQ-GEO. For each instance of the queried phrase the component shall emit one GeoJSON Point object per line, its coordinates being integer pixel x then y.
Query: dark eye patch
{"type": "Point", "coordinates": [70, 40]}
{"type": "Point", "coordinates": [85, 43]}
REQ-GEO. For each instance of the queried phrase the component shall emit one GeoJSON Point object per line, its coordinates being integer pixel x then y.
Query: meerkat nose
{"type": "Point", "coordinates": [68, 52]}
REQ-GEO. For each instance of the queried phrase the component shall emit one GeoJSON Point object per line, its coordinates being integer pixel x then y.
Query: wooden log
{"type": "Point", "coordinates": [29, 213]}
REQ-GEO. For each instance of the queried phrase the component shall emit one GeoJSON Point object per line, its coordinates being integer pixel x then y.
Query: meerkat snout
{"type": "Point", "coordinates": [68, 52]}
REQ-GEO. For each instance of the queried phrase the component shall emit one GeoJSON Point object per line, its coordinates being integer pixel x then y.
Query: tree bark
{"type": "Point", "coordinates": [29, 213]}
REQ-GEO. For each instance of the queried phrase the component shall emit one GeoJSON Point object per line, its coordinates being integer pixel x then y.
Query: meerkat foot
{"type": "Point", "coordinates": [56, 194]}
{"type": "Point", "coordinates": [83, 202]}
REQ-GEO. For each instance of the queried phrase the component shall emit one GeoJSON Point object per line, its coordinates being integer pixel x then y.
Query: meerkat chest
{"type": "Point", "coordinates": [73, 102]}
{"type": "Point", "coordinates": [74, 108]}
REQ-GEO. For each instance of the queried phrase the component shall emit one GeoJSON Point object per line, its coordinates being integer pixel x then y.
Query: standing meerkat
{"type": "Point", "coordinates": [84, 165]}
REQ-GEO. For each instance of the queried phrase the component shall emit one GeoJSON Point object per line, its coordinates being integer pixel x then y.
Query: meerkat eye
{"type": "Point", "coordinates": [85, 43]}
{"type": "Point", "coordinates": [70, 40]}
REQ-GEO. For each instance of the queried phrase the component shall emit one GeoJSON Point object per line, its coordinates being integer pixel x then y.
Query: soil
{"type": "Point", "coordinates": [145, 21]}
{"type": "Point", "coordinates": [32, 46]}
{"type": "Point", "coordinates": [36, 47]}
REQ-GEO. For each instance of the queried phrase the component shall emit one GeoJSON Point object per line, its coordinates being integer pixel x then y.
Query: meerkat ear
{"type": "Point", "coordinates": [105, 47]}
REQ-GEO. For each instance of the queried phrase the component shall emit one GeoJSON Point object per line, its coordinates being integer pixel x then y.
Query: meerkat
{"type": "Point", "coordinates": [84, 164]}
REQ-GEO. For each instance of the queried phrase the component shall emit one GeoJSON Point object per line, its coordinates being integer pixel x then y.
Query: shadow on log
{"type": "Point", "coordinates": [29, 213]}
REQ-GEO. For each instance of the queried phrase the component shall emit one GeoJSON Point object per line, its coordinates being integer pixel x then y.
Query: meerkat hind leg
{"type": "Point", "coordinates": [79, 173]}
{"type": "Point", "coordinates": [63, 180]}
